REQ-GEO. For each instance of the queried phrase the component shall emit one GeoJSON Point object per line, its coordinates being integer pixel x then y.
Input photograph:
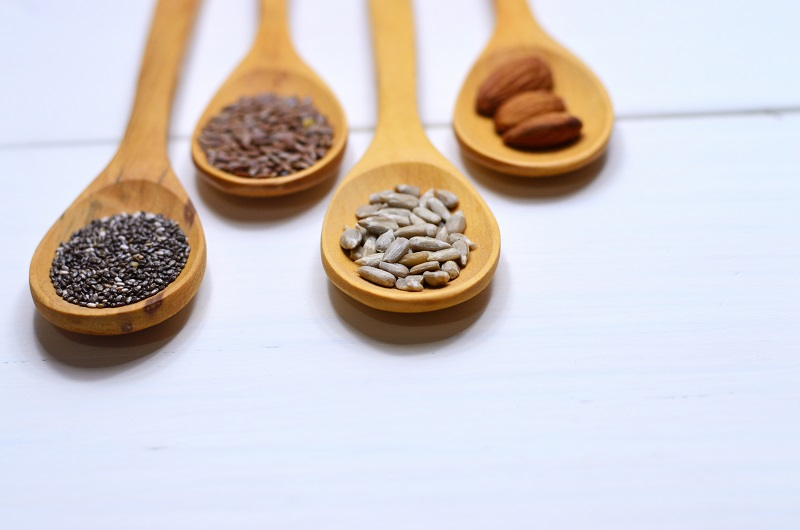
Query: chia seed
{"type": "Point", "coordinates": [119, 260]}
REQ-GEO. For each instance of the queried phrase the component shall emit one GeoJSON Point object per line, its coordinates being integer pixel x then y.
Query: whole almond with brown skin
{"type": "Point", "coordinates": [544, 130]}
{"type": "Point", "coordinates": [519, 75]}
{"type": "Point", "coordinates": [522, 106]}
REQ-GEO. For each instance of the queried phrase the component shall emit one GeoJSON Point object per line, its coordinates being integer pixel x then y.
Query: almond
{"type": "Point", "coordinates": [544, 130]}
{"type": "Point", "coordinates": [526, 73]}
{"type": "Point", "coordinates": [522, 106]}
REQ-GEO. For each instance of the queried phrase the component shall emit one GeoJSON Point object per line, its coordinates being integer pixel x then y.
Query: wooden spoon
{"type": "Point", "coordinates": [517, 34]}
{"type": "Point", "coordinates": [272, 65]}
{"type": "Point", "coordinates": [139, 177]}
{"type": "Point", "coordinates": [400, 152]}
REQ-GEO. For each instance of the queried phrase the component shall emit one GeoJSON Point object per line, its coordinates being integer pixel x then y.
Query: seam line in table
{"type": "Point", "coordinates": [10, 146]}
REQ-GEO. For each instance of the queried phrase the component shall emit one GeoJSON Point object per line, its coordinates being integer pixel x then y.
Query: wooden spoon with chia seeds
{"type": "Point", "coordinates": [138, 178]}
{"type": "Point", "coordinates": [273, 66]}
{"type": "Point", "coordinates": [517, 34]}
{"type": "Point", "coordinates": [400, 153]}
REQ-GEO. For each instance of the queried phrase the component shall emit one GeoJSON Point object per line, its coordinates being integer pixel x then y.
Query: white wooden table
{"type": "Point", "coordinates": [634, 364]}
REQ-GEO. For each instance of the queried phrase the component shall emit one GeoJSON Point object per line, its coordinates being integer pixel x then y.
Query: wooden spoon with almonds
{"type": "Point", "coordinates": [517, 35]}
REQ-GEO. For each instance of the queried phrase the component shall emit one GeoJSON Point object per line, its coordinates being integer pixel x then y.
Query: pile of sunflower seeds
{"type": "Point", "coordinates": [266, 135]}
{"type": "Point", "coordinates": [409, 240]}
{"type": "Point", "coordinates": [119, 260]}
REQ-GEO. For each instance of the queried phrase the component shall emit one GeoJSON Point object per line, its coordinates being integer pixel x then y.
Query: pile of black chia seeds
{"type": "Point", "coordinates": [119, 260]}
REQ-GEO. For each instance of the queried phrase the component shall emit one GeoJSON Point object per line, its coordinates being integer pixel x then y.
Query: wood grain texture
{"type": "Point", "coordinates": [139, 177]}
{"type": "Point", "coordinates": [401, 153]}
{"type": "Point", "coordinates": [273, 66]}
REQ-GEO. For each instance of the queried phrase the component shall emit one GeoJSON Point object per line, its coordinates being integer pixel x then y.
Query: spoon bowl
{"type": "Point", "coordinates": [273, 66]}
{"type": "Point", "coordinates": [125, 196]}
{"type": "Point", "coordinates": [517, 34]}
{"type": "Point", "coordinates": [481, 227]}
{"type": "Point", "coordinates": [400, 153]}
{"type": "Point", "coordinates": [138, 178]}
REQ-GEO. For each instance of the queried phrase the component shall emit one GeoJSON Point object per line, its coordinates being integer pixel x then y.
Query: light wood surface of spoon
{"type": "Point", "coordinates": [400, 153]}
{"type": "Point", "coordinates": [139, 177]}
{"type": "Point", "coordinates": [517, 34]}
{"type": "Point", "coordinates": [272, 65]}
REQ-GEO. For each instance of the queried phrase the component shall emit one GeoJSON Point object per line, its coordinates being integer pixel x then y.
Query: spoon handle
{"type": "Point", "coordinates": [514, 22]}
{"type": "Point", "coordinates": [143, 150]}
{"type": "Point", "coordinates": [398, 128]}
{"type": "Point", "coordinates": [273, 41]}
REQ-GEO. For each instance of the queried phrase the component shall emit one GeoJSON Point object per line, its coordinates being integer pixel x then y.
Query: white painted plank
{"type": "Point", "coordinates": [633, 365]}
